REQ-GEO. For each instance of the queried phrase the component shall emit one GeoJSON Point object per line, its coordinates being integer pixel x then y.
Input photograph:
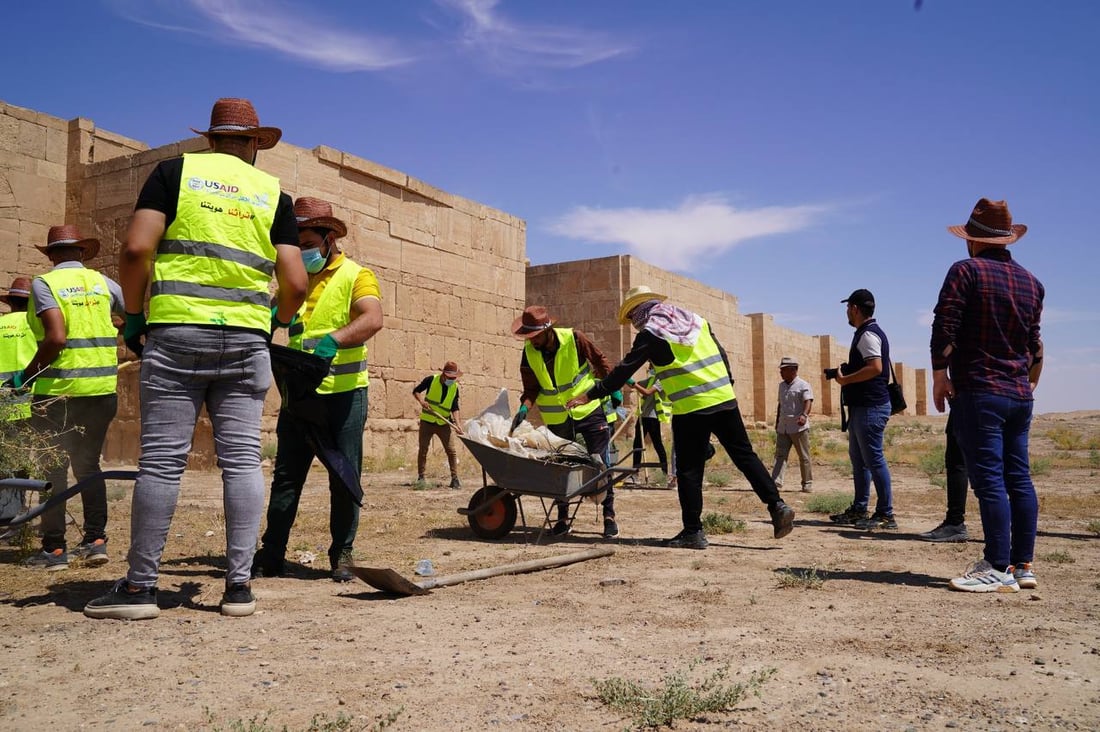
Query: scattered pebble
{"type": "Point", "coordinates": [610, 581]}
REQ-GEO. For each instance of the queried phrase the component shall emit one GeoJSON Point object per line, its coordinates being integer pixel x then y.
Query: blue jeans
{"type": "Point", "coordinates": [866, 426]}
{"type": "Point", "coordinates": [993, 431]}
{"type": "Point", "coordinates": [183, 369]}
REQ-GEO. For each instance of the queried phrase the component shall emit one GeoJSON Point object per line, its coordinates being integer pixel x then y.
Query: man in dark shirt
{"type": "Point", "coordinates": [438, 414]}
{"type": "Point", "coordinates": [986, 359]}
{"type": "Point", "coordinates": [695, 373]}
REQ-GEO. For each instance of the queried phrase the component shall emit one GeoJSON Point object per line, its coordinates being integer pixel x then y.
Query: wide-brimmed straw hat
{"type": "Point", "coordinates": [237, 118]}
{"type": "Point", "coordinates": [20, 287]}
{"type": "Point", "coordinates": [451, 370]}
{"type": "Point", "coordinates": [313, 212]}
{"type": "Point", "coordinates": [990, 223]}
{"type": "Point", "coordinates": [787, 361]}
{"type": "Point", "coordinates": [634, 297]}
{"type": "Point", "coordinates": [67, 235]}
{"type": "Point", "coordinates": [534, 320]}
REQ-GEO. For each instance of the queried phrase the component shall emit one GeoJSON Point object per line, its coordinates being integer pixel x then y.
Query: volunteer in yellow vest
{"type": "Point", "coordinates": [17, 347]}
{"type": "Point", "coordinates": [653, 412]}
{"type": "Point", "coordinates": [557, 365]}
{"type": "Point", "coordinates": [695, 374]}
{"type": "Point", "coordinates": [438, 413]}
{"type": "Point", "coordinates": [72, 376]}
{"type": "Point", "coordinates": [342, 311]}
{"type": "Point", "coordinates": [208, 232]}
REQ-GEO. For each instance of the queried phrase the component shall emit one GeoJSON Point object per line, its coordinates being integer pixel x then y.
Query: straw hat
{"type": "Point", "coordinates": [67, 235]}
{"type": "Point", "coordinates": [787, 361]}
{"type": "Point", "coordinates": [451, 370]}
{"type": "Point", "coordinates": [634, 297]}
{"type": "Point", "coordinates": [313, 212]}
{"type": "Point", "coordinates": [20, 287]}
{"type": "Point", "coordinates": [237, 118]}
{"type": "Point", "coordinates": [534, 320]}
{"type": "Point", "coordinates": [990, 223]}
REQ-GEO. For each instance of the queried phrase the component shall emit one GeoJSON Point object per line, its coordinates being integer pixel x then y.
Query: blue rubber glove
{"type": "Point", "coordinates": [326, 347]}
{"type": "Point", "coordinates": [17, 381]}
{"type": "Point", "coordinates": [133, 332]}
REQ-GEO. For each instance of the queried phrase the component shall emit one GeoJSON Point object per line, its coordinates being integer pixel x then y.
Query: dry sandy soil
{"type": "Point", "coordinates": [880, 644]}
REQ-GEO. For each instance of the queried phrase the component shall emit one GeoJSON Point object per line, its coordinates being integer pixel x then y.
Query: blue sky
{"type": "Point", "coordinates": [786, 152]}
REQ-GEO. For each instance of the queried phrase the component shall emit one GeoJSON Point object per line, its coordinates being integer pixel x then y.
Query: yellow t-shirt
{"type": "Point", "coordinates": [366, 284]}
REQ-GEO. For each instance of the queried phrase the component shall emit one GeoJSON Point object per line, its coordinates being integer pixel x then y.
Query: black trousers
{"type": "Point", "coordinates": [690, 440]}
{"type": "Point", "coordinates": [955, 468]}
{"type": "Point", "coordinates": [650, 427]}
{"type": "Point", "coordinates": [596, 433]}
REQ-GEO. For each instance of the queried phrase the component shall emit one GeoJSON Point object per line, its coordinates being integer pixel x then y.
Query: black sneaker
{"type": "Point", "coordinates": [782, 519]}
{"type": "Point", "coordinates": [94, 553]}
{"type": "Point", "coordinates": [688, 540]}
{"type": "Point", "coordinates": [125, 602]}
{"type": "Point", "coordinates": [610, 528]}
{"type": "Point", "coordinates": [946, 532]}
{"type": "Point", "coordinates": [848, 516]}
{"type": "Point", "coordinates": [265, 564]}
{"type": "Point", "coordinates": [455, 483]}
{"type": "Point", "coordinates": [341, 567]}
{"type": "Point", "coordinates": [877, 521]}
{"type": "Point", "coordinates": [238, 600]}
{"type": "Point", "coordinates": [561, 528]}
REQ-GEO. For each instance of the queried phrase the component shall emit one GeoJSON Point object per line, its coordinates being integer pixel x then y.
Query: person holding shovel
{"type": "Point", "coordinates": [557, 365]}
{"type": "Point", "coordinates": [438, 414]}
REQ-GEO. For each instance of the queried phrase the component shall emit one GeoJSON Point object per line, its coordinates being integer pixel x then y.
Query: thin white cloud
{"type": "Point", "coordinates": [511, 46]}
{"type": "Point", "coordinates": [1059, 316]}
{"type": "Point", "coordinates": [700, 228]}
{"type": "Point", "coordinates": [298, 33]}
{"type": "Point", "coordinates": [925, 317]}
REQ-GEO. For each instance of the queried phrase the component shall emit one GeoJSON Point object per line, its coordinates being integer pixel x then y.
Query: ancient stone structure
{"type": "Point", "coordinates": [453, 275]}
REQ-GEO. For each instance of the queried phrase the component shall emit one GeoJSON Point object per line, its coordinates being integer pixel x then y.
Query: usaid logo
{"type": "Point", "coordinates": [194, 184]}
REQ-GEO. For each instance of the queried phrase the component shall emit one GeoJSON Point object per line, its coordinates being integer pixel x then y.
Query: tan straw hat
{"type": "Point", "coordinates": [787, 361]}
{"type": "Point", "coordinates": [534, 320]}
{"type": "Point", "coordinates": [990, 223]}
{"type": "Point", "coordinates": [634, 297]}
{"type": "Point", "coordinates": [67, 235]}
{"type": "Point", "coordinates": [237, 118]}
{"type": "Point", "coordinates": [313, 212]}
{"type": "Point", "coordinates": [20, 287]}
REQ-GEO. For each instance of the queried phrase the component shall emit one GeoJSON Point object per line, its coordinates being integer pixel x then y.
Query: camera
{"type": "Point", "coordinates": [831, 373]}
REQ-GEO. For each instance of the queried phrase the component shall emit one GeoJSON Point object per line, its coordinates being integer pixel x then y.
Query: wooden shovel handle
{"type": "Point", "coordinates": [518, 568]}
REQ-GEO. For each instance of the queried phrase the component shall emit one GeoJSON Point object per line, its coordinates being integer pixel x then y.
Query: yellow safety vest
{"type": "Point", "coordinates": [88, 364]}
{"type": "Point", "coordinates": [440, 405]}
{"type": "Point", "coordinates": [657, 400]}
{"type": "Point", "coordinates": [215, 262]}
{"type": "Point", "coordinates": [332, 311]}
{"type": "Point", "coordinates": [697, 378]}
{"type": "Point", "coordinates": [17, 347]}
{"type": "Point", "coordinates": [571, 381]}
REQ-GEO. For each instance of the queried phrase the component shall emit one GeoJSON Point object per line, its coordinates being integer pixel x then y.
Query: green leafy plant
{"type": "Point", "coordinates": [722, 523]}
{"type": "Point", "coordinates": [1093, 527]}
{"type": "Point", "coordinates": [931, 463]}
{"type": "Point", "coordinates": [1041, 465]}
{"type": "Point", "coordinates": [718, 478]}
{"type": "Point", "coordinates": [801, 579]}
{"type": "Point", "coordinates": [679, 696]}
{"type": "Point", "coordinates": [828, 502]}
{"type": "Point", "coordinates": [1058, 557]}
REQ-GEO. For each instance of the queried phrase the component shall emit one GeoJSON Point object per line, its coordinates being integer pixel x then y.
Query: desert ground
{"type": "Point", "coordinates": [843, 630]}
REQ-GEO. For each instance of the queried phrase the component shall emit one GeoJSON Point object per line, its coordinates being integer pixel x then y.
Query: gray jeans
{"type": "Point", "coordinates": [183, 369]}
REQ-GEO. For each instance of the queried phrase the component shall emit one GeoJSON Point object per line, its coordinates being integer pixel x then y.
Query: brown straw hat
{"type": "Point", "coordinates": [237, 118]}
{"type": "Point", "coordinates": [990, 223]}
{"type": "Point", "coordinates": [451, 370]}
{"type": "Point", "coordinates": [534, 320]}
{"type": "Point", "coordinates": [67, 235]}
{"type": "Point", "coordinates": [313, 212]}
{"type": "Point", "coordinates": [20, 287]}
{"type": "Point", "coordinates": [634, 297]}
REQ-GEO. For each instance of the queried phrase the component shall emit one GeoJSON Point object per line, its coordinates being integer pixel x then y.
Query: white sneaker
{"type": "Point", "coordinates": [983, 578]}
{"type": "Point", "coordinates": [1025, 576]}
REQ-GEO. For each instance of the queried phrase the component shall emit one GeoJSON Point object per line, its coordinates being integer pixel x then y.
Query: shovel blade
{"type": "Point", "coordinates": [387, 580]}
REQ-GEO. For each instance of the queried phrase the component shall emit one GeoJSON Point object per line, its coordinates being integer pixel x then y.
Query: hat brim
{"type": "Point", "coordinates": [522, 335]}
{"type": "Point", "coordinates": [452, 374]}
{"type": "Point", "coordinates": [1018, 231]}
{"type": "Point", "coordinates": [332, 223]}
{"type": "Point", "coordinates": [266, 137]}
{"type": "Point", "coordinates": [90, 247]}
{"type": "Point", "coordinates": [633, 302]}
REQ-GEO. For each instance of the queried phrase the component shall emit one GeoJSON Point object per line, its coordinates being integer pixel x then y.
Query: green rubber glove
{"type": "Point", "coordinates": [133, 331]}
{"type": "Point", "coordinates": [521, 414]}
{"type": "Point", "coordinates": [327, 347]}
{"type": "Point", "coordinates": [276, 323]}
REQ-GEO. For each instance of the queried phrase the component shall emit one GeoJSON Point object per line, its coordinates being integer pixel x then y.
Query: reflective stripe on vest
{"type": "Point", "coordinates": [609, 411]}
{"type": "Point", "coordinates": [572, 380]}
{"type": "Point", "coordinates": [17, 347]}
{"type": "Point", "coordinates": [88, 364]}
{"type": "Point", "coordinates": [440, 405]}
{"type": "Point", "coordinates": [657, 402]}
{"type": "Point", "coordinates": [697, 377]}
{"type": "Point", "coordinates": [332, 311]}
{"type": "Point", "coordinates": [215, 262]}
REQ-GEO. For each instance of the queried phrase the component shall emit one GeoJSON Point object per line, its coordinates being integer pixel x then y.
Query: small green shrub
{"type": "Point", "coordinates": [828, 502]}
{"type": "Point", "coordinates": [1058, 557]}
{"type": "Point", "coordinates": [678, 697]}
{"type": "Point", "coordinates": [1093, 527]}
{"type": "Point", "coordinates": [842, 466]}
{"type": "Point", "coordinates": [722, 523]}
{"type": "Point", "coordinates": [269, 450]}
{"type": "Point", "coordinates": [1041, 466]}
{"type": "Point", "coordinates": [931, 463]}
{"type": "Point", "coordinates": [719, 478]}
{"type": "Point", "coordinates": [801, 579]}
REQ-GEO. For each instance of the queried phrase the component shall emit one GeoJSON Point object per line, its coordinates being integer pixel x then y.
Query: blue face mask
{"type": "Point", "coordinates": [448, 382]}
{"type": "Point", "coordinates": [313, 260]}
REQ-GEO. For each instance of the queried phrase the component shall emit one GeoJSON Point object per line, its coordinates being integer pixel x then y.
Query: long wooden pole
{"type": "Point", "coordinates": [518, 568]}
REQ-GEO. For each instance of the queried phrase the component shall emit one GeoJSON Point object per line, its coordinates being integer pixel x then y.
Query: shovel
{"type": "Point", "coordinates": [388, 580]}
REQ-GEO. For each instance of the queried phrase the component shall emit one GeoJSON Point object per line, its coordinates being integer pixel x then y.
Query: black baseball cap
{"type": "Point", "coordinates": [861, 297]}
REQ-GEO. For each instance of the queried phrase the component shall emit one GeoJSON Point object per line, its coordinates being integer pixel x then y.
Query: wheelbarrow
{"type": "Point", "coordinates": [494, 508]}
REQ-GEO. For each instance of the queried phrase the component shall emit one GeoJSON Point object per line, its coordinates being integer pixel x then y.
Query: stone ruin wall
{"type": "Point", "coordinates": [453, 276]}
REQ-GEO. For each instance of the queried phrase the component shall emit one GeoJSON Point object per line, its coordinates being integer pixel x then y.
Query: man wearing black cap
{"type": "Point", "coordinates": [863, 381]}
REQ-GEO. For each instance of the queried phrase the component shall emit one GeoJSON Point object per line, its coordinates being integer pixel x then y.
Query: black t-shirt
{"type": "Point", "coordinates": [161, 192]}
{"type": "Point", "coordinates": [427, 381]}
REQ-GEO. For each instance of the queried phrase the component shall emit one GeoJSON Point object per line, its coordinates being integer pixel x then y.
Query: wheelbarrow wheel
{"type": "Point", "coordinates": [498, 519]}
